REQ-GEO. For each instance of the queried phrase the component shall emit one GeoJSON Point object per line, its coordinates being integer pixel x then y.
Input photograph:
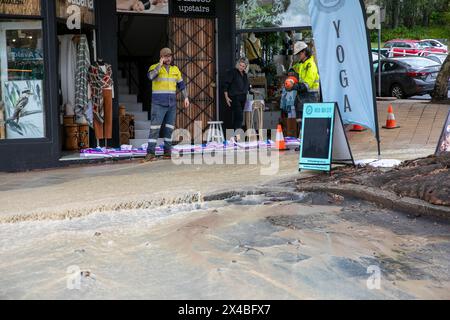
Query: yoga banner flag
{"type": "Point", "coordinates": [344, 59]}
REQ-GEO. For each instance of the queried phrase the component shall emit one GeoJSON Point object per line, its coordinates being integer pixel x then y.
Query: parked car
{"type": "Point", "coordinates": [437, 57]}
{"type": "Point", "coordinates": [401, 48]}
{"type": "Point", "coordinates": [407, 77]}
{"type": "Point", "coordinates": [434, 43]}
{"type": "Point", "coordinates": [375, 57]}
{"type": "Point", "coordinates": [384, 52]}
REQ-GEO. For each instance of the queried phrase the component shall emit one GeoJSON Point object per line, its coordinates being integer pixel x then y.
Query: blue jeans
{"type": "Point", "coordinates": [163, 117]}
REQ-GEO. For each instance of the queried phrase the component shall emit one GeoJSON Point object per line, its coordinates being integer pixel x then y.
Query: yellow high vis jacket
{"type": "Point", "coordinates": [308, 74]}
{"type": "Point", "coordinates": [165, 84]}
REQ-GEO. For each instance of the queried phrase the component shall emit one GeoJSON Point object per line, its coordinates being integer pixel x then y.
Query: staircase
{"type": "Point", "coordinates": [142, 124]}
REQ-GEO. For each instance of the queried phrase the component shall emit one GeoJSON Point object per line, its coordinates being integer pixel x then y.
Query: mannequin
{"type": "Point", "coordinates": [253, 49]}
{"type": "Point", "coordinates": [101, 81]}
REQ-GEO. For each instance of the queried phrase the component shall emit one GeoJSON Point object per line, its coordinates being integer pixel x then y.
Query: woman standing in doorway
{"type": "Point", "coordinates": [236, 88]}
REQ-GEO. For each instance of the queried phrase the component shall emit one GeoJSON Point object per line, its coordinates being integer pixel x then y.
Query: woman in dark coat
{"type": "Point", "coordinates": [236, 89]}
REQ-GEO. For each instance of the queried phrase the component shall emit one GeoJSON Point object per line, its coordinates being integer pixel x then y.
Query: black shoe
{"type": "Point", "coordinates": [167, 156]}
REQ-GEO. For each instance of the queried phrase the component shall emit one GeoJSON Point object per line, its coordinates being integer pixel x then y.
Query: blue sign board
{"type": "Point", "coordinates": [317, 136]}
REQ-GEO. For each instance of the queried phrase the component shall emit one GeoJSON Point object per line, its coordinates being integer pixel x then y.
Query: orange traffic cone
{"type": "Point", "coordinates": [391, 123]}
{"type": "Point", "coordinates": [358, 128]}
{"type": "Point", "coordinates": [280, 143]}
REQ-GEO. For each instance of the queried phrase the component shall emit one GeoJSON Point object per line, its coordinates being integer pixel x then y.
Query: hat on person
{"type": "Point", "coordinates": [299, 47]}
{"type": "Point", "coordinates": [166, 52]}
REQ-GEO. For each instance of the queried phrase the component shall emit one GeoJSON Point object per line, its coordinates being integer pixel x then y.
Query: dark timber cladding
{"type": "Point", "coordinates": [193, 41]}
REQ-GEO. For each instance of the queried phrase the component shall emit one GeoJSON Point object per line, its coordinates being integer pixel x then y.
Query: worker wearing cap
{"type": "Point", "coordinates": [309, 80]}
{"type": "Point", "coordinates": [166, 79]}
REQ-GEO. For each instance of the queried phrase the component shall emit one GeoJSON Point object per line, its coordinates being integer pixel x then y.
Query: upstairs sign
{"type": "Point", "coordinates": [193, 8]}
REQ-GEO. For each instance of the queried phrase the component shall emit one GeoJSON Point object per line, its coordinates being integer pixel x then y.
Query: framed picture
{"type": "Point", "coordinates": [143, 6]}
{"type": "Point", "coordinates": [24, 113]}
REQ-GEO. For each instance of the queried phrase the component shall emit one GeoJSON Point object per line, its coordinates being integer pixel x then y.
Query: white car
{"type": "Point", "coordinates": [375, 57]}
{"type": "Point", "coordinates": [439, 58]}
{"type": "Point", "coordinates": [434, 44]}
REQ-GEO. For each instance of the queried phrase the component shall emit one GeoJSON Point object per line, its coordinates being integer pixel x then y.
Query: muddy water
{"type": "Point", "coordinates": [267, 246]}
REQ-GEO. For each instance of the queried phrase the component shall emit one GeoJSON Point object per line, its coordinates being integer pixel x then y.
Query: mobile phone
{"type": "Point", "coordinates": [147, 4]}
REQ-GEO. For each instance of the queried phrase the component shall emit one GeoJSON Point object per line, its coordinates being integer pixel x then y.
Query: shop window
{"type": "Point", "coordinates": [261, 14]}
{"type": "Point", "coordinates": [22, 106]}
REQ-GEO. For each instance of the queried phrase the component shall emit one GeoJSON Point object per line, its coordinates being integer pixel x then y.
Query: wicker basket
{"type": "Point", "coordinates": [71, 137]}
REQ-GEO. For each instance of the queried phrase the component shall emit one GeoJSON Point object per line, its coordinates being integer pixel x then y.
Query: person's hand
{"type": "Point", "coordinates": [229, 101]}
{"type": "Point", "coordinates": [187, 103]}
{"type": "Point", "coordinates": [138, 6]}
{"type": "Point", "coordinates": [161, 62]}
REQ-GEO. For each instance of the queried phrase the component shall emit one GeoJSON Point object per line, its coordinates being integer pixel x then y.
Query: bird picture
{"type": "Point", "coordinates": [22, 101]}
{"type": "Point", "coordinates": [20, 106]}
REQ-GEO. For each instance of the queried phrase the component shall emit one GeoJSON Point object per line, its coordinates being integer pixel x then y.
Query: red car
{"type": "Point", "coordinates": [402, 47]}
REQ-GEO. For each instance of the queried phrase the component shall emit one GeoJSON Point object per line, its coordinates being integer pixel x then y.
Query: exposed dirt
{"type": "Point", "coordinates": [426, 179]}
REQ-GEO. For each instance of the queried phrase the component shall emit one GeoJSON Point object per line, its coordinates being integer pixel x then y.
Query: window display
{"type": "Point", "coordinates": [22, 80]}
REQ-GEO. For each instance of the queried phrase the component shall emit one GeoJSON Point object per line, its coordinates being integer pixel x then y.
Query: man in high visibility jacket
{"type": "Point", "coordinates": [166, 79]}
{"type": "Point", "coordinates": [309, 80]}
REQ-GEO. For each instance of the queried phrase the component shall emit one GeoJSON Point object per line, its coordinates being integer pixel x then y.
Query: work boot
{"type": "Point", "coordinates": [150, 158]}
{"type": "Point", "coordinates": [167, 156]}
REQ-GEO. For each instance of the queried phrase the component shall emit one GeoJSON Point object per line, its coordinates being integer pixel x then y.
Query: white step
{"type": "Point", "coordinates": [132, 107]}
{"type": "Point", "coordinates": [126, 98]}
{"type": "Point", "coordinates": [142, 134]}
{"type": "Point", "coordinates": [142, 125]}
{"type": "Point", "coordinates": [139, 116]}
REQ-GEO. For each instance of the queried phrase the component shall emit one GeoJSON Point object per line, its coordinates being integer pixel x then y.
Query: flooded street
{"type": "Point", "coordinates": [276, 245]}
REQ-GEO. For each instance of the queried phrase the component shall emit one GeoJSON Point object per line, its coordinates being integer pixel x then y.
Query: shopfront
{"type": "Point", "coordinates": [28, 87]}
{"type": "Point", "coordinates": [199, 32]}
{"type": "Point", "coordinates": [40, 98]}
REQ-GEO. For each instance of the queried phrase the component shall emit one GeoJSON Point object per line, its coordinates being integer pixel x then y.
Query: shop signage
{"type": "Point", "coordinates": [155, 7]}
{"type": "Point", "coordinates": [324, 141]}
{"type": "Point", "coordinates": [26, 54]}
{"type": "Point", "coordinates": [193, 8]}
{"type": "Point", "coordinates": [76, 12]}
{"type": "Point", "coordinates": [343, 53]}
{"type": "Point", "coordinates": [21, 7]}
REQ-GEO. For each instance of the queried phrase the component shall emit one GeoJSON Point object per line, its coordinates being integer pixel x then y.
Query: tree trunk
{"type": "Point", "coordinates": [440, 92]}
{"type": "Point", "coordinates": [425, 17]}
{"type": "Point", "coordinates": [395, 13]}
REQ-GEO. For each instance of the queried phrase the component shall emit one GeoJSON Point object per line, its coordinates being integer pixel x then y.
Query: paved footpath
{"type": "Point", "coordinates": [75, 191]}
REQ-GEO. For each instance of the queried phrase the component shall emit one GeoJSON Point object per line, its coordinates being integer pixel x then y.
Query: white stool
{"type": "Point", "coordinates": [215, 132]}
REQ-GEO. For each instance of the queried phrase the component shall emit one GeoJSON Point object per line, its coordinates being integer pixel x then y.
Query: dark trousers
{"type": "Point", "coordinates": [309, 97]}
{"type": "Point", "coordinates": [163, 119]}
{"type": "Point", "coordinates": [237, 108]}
